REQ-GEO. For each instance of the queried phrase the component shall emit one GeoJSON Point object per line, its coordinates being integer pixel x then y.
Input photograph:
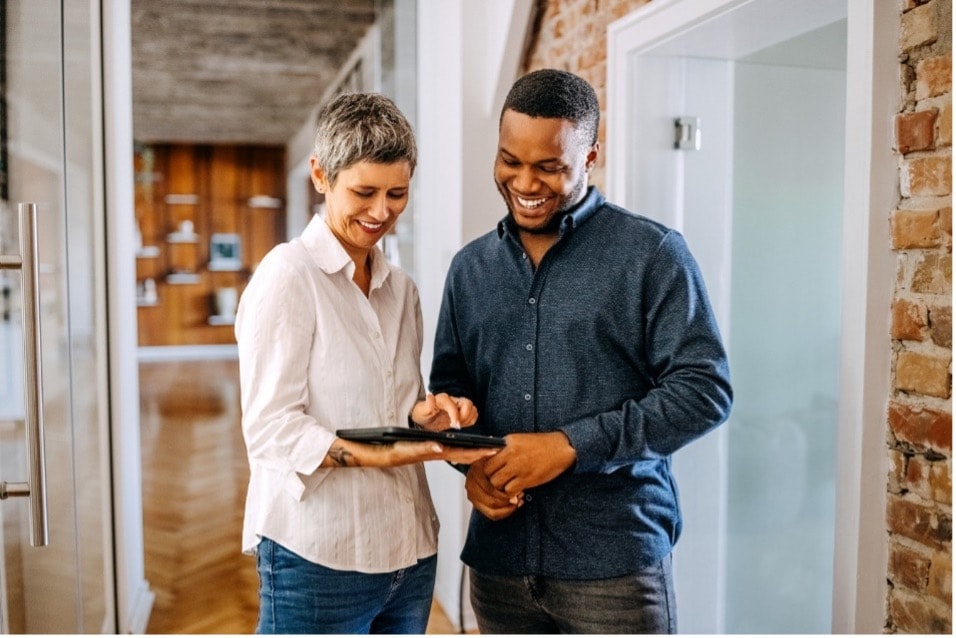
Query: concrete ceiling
{"type": "Point", "coordinates": [237, 71]}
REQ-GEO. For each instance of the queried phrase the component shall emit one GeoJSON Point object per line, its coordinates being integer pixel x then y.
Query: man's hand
{"type": "Point", "coordinates": [488, 500]}
{"type": "Point", "coordinates": [529, 460]}
{"type": "Point", "coordinates": [442, 411]}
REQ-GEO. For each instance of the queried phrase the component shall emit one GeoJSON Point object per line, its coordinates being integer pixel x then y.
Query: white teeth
{"type": "Point", "coordinates": [530, 203]}
{"type": "Point", "coordinates": [370, 225]}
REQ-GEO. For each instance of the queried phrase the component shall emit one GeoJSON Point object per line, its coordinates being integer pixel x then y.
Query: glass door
{"type": "Point", "coordinates": [757, 190]}
{"type": "Point", "coordinates": [55, 577]}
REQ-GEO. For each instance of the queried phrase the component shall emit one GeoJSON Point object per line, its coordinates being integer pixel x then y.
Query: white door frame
{"type": "Point", "coordinates": [868, 266]}
{"type": "Point", "coordinates": [134, 600]}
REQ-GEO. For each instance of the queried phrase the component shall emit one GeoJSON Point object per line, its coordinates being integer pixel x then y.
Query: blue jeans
{"type": "Point", "coordinates": [297, 596]}
{"type": "Point", "coordinates": [640, 603]}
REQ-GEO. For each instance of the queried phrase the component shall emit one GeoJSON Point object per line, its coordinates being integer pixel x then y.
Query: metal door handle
{"type": "Point", "coordinates": [27, 262]}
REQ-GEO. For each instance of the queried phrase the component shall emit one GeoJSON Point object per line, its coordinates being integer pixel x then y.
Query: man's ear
{"type": "Point", "coordinates": [591, 158]}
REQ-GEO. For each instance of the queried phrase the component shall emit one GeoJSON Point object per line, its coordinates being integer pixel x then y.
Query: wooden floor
{"type": "Point", "coordinates": [194, 483]}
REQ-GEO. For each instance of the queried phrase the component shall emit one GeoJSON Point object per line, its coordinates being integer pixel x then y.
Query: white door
{"type": "Point", "coordinates": [761, 85]}
{"type": "Point", "coordinates": [56, 573]}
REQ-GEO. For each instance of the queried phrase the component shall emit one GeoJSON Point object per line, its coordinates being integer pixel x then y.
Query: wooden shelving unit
{"type": "Point", "coordinates": [186, 195]}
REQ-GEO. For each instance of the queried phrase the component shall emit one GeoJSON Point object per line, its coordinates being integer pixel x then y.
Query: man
{"type": "Point", "coordinates": [583, 334]}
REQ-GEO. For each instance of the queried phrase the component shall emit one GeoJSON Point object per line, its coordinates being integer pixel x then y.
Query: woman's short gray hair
{"type": "Point", "coordinates": [362, 127]}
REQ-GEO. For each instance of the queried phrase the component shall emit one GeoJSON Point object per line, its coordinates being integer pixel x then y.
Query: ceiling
{"type": "Point", "coordinates": [237, 71]}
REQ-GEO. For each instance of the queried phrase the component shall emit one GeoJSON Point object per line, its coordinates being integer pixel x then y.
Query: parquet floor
{"type": "Point", "coordinates": [194, 482]}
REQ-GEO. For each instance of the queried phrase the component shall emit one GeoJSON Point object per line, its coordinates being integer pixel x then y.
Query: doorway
{"type": "Point", "coordinates": [736, 138]}
{"type": "Point", "coordinates": [189, 404]}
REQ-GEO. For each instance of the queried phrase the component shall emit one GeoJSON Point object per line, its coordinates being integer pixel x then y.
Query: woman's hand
{"type": "Point", "coordinates": [353, 454]}
{"type": "Point", "coordinates": [441, 411]}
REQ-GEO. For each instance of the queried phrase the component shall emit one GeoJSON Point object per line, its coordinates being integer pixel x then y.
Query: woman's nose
{"type": "Point", "coordinates": [380, 209]}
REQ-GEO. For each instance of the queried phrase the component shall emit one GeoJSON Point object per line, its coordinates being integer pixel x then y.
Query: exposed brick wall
{"type": "Point", "coordinates": [571, 35]}
{"type": "Point", "coordinates": [919, 515]}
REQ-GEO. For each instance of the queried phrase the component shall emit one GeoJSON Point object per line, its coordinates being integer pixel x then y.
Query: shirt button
{"type": "Point", "coordinates": [527, 397]}
{"type": "Point", "coordinates": [529, 347]}
{"type": "Point", "coordinates": [527, 498]}
{"type": "Point", "coordinates": [524, 255]}
{"type": "Point", "coordinates": [532, 301]}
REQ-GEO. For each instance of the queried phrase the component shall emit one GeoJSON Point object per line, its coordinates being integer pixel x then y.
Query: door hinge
{"type": "Point", "coordinates": [687, 133]}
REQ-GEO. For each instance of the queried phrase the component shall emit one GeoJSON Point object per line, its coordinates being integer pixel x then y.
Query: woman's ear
{"type": "Point", "coordinates": [319, 179]}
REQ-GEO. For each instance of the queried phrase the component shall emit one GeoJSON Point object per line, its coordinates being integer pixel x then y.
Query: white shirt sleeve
{"type": "Point", "coordinates": [275, 324]}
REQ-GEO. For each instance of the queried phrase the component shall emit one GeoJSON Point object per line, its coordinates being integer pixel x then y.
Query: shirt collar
{"type": "Point", "coordinates": [580, 213]}
{"type": "Point", "coordinates": [329, 254]}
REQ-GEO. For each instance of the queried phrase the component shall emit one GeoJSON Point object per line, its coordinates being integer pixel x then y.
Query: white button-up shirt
{"type": "Point", "coordinates": [316, 355]}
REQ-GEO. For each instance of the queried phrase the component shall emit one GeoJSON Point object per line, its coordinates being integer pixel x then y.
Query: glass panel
{"type": "Point", "coordinates": [785, 329]}
{"type": "Point", "coordinates": [50, 160]}
{"type": "Point", "coordinates": [85, 287]}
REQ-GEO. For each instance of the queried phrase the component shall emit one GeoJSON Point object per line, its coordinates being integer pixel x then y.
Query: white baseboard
{"type": "Point", "coordinates": [186, 353]}
{"type": "Point", "coordinates": [141, 610]}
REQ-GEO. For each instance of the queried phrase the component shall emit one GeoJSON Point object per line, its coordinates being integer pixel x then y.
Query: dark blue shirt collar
{"type": "Point", "coordinates": [580, 213]}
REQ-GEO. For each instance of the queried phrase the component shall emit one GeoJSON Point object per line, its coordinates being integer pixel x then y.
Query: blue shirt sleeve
{"type": "Point", "coordinates": [687, 363]}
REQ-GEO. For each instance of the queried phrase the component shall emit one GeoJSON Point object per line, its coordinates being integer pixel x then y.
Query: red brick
{"type": "Point", "coordinates": [933, 274]}
{"type": "Point", "coordinates": [918, 27]}
{"type": "Point", "coordinates": [558, 29]}
{"type": "Point", "coordinates": [908, 568]}
{"type": "Point", "coordinates": [915, 229]}
{"type": "Point", "coordinates": [917, 476]}
{"type": "Point", "coordinates": [915, 131]}
{"type": "Point", "coordinates": [918, 522]}
{"type": "Point", "coordinates": [941, 482]}
{"type": "Point", "coordinates": [941, 326]}
{"type": "Point", "coordinates": [930, 480]}
{"type": "Point", "coordinates": [911, 615]}
{"type": "Point", "coordinates": [941, 577]}
{"type": "Point", "coordinates": [923, 374]}
{"type": "Point", "coordinates": [944, 125]}
{"type": "Point", "coordinates": [909, 320]}
{"type": "Point", "coordinates": [927, 176]}
{"type": "Point", "coordinates": [921, 427]}
{"type": "Point", "coordinates": [934, 76]}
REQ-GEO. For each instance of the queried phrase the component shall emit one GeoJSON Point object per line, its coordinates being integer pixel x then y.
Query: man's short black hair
{"type": "Point", "coordinates": [553, 93]}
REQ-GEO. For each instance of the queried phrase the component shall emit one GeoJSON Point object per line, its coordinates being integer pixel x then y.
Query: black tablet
{"type": "Point", "coordinates": [452, 438]}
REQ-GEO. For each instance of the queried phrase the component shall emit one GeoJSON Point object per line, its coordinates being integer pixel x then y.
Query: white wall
{"type": "Point", "coordinates": [134, 599]}
{"type": "Point", "coordinates": [468, 55]}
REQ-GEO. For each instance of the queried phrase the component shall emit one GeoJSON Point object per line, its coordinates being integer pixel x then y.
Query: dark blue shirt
{"type": "Point", "coordinates": [612, 341]}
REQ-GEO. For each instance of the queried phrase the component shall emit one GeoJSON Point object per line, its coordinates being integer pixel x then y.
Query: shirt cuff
{"type": "Point", "coordinates": [585, 438]}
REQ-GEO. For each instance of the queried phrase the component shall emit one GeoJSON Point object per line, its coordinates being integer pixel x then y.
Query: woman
{"type": "Point", "coordinates": [330, 337]}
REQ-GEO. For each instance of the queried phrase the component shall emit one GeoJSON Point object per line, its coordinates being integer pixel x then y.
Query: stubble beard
{"type": "Point", "coordinates": [553, 222]}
